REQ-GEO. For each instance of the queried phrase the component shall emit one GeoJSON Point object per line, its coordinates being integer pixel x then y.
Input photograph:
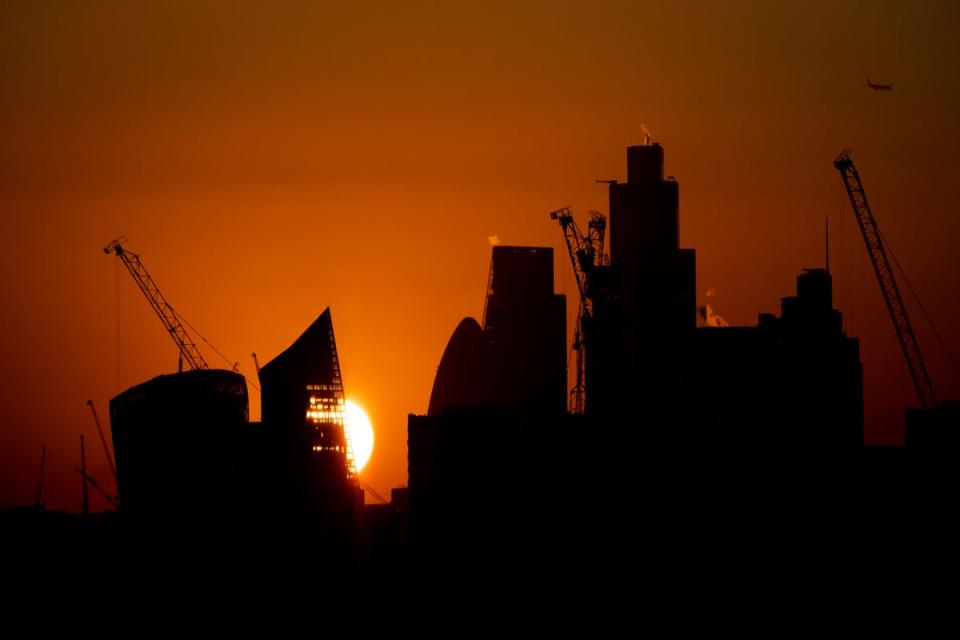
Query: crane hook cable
{"type": "Point", "coordinates": [943, 345]}
{"type": "Point", "coordinates": [233, 366]}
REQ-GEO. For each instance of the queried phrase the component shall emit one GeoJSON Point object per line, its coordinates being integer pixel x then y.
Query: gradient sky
{"type": "Point", "coordinates": [270, 160]}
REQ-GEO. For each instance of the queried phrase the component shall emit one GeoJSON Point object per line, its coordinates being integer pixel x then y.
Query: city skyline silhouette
{"type": "Point", "coordinates": [362, 161]}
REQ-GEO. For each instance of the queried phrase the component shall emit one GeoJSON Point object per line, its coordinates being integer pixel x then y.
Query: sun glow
{"type": "Point", "coordinates": [361, 433]}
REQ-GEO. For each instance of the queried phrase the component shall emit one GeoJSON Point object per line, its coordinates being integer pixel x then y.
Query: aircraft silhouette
{"type": "Point", "coordinates": [879, 87]}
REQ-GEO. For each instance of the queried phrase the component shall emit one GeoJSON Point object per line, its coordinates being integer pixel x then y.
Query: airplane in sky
{"type": "Point", "coordinates": [879, 87]}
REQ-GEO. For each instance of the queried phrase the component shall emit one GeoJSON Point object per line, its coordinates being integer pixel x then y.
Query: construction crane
{"type": "Point", "coordinates": [888, 283]}
{"type": "Point", "coordinates": [597, 235]}
{"type": "Point", "coordinates": [163, 309]}
{"type": "Point", "coordinates": [89, 480]}
{"type": "Point", "coordinates": [103, 441]}
{"type": "Point", "coordinates": [379, 498]}
{"type": "Point", "coordinates": [586, 254]}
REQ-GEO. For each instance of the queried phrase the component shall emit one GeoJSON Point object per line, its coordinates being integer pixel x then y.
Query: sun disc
{"type": "Point", "coordinates": [361, 433]}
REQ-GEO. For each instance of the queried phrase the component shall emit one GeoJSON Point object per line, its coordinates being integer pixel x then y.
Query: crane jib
{"type": "Point", "coordinates": [189, 352]}
{"type": "Point", "coordinates": [888, 284]}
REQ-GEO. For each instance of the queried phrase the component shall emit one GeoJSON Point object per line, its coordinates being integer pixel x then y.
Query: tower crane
{"type": "Point", "coordinates": [90, 480]}
{"type": "Point", "coordinates": [87, 479]}
{"type": "Point", "coordinates": [114, 500]}
{"type": "Point", "coordinates": [163, 309]}
{"type": "Point", "coordinates": [103, 441]}
{"type": "Point", "coordinates": [888, 283]}
{"type": "Point", "coordinates": [586, 254]}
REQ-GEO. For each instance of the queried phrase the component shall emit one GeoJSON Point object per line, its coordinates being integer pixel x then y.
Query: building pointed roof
{"type": "Point", "coordinates": [311, 354]}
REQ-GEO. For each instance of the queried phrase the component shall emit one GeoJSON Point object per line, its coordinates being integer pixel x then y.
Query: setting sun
{"type": "Point", "coordinates": [361, 433]}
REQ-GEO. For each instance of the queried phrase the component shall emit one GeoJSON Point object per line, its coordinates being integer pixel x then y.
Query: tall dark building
{"type": "Point", "coordinates": [303, 417]}
{"type": "Point", "coordinates": [464, 378]}
{"type": "Point", "coordinates": [691, 426]}
{"type": "Point", "coordinates": [515, 363]}
{"type": "Point", "coordinates": [525, 322]}
{"type": "Point", "coordinates": [497, 418]}
{"type": "Point", "coordinates": [658, 278]}
{"type": "Point", "coordinates": [791, 383]}
{"type": "Point", "coordinates": [823, 378]}
{"type": "Point", "coordinates": [179, 441]}
{"type": "Point", "coordinates": [643, 323]}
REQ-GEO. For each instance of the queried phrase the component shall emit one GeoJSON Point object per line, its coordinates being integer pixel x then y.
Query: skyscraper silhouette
{"type": "Point", "coordinates": [303, 417]}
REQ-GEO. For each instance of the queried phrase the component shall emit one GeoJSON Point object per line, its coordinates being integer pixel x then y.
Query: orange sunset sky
{"type": "Point", "coordinates": [268, 160]}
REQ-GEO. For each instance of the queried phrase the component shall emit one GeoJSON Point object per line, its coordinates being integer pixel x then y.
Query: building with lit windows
{"type": "Point", "coordinates": [303, 420]}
